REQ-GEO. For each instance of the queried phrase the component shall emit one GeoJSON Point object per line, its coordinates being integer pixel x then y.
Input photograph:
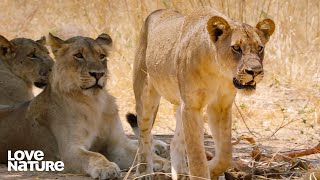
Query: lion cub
{"type": "Point", "coordinates": [23, 63]}
{"type": "Point", "coordinates": [74, 119]}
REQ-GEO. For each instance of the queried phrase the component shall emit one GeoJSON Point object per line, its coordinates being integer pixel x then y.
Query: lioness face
{"type": "Point", "coordinates": [28, 59]}
{"type": "Point", "coordinates": [247, 51]}
{"type": "Point", "coordinates": [81, 62]}
{"type": "Point", "coordinates": [243, 46]}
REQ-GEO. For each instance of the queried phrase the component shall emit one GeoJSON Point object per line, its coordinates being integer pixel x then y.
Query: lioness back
{"type": "Point", "coordinates": [20, 132]}
{"type": "Point", "coordinates": [23, 63]}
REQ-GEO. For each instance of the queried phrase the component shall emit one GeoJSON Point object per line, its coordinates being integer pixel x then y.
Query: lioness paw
{"type": "Point", "coordinates": [161, 165]}
{"type": "Point", "coordinates": [111, 171]}
{"type": "Point", "coordinates": [161, 148]}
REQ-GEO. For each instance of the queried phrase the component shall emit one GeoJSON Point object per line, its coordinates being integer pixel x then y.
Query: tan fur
{"type": "Point", "coordinates": [74, 119]}
{"type": "Point", "coordinates": [195, 61]}
{"type": "Point", "coordinates": [23, 63]}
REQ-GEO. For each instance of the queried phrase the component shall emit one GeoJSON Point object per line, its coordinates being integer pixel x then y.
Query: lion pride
{"type": "Point", "coordinates": [74, 119]}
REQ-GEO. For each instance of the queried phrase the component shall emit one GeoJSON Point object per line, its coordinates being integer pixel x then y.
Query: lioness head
{"type": "Point", "coordinates": [81, 63]}
{"type": "Point", "coordinates": [27, 59]}
{"type": "Point", "coordinates": [243, 46]}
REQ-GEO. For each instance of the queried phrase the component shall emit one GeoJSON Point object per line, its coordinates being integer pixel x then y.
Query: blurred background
{"type": "Point", "coordinates": [286, 106]}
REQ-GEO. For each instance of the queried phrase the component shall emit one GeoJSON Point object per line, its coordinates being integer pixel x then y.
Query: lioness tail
{"type": "Point", "coordinates": [133, 121]}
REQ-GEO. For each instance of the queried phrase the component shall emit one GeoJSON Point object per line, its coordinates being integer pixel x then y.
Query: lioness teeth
{"type": "Point", "coordinates": [251, 83]}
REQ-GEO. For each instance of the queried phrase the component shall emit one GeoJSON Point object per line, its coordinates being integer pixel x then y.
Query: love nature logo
{"type": "Point", "coordinates": [23, 160]}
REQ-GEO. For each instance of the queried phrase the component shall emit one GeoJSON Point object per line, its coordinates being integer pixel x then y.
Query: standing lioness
{"type": "Point", "coordinates": [195, 61]}
{"type": "Point", "coordinates": [74, 119]}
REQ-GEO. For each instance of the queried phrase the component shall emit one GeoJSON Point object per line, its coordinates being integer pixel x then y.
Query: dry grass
{"type": "Point", "coordinates": [287, 102]}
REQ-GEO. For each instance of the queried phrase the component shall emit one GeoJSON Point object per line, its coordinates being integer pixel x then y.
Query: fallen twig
{"type": "Point", "coordinates": [244, 120]}
{"type": "Point", "coordinates": [304, 152]}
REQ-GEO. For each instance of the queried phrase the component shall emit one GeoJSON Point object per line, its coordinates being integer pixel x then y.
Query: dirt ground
{"type": "Point", "coordinates": [269, 165]}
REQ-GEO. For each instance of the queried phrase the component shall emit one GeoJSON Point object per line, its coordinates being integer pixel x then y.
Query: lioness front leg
{"type": "Point", "coordinates": [193, 135]}
{"type": "Point", "coordinates": [78, 159]}
{"type": "Point", "coordinates": [220, 125]}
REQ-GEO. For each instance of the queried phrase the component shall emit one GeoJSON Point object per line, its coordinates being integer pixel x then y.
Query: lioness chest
{"type": "Point", "coordinates": [84, 121]}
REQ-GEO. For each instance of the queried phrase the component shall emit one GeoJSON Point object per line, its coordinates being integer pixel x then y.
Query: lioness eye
{"type": "Point", "coordinates": [78, 55]}
{"type": "Point", "coordinates": [32, 55]}
{"type": "Point", "coordinates": [102, 56]}
{"type": "Point", "coordinates": [236, 48]}
{"type": "Point", "coordinates": [260, 49]}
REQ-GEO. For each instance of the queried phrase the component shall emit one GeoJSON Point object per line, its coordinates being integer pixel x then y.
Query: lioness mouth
{"type": "Point", "coordinates": [96, 86]}
{"type": "Point", "coordinates": [40, 84]}
{"type": "Point", "coordinates": [248, 85]}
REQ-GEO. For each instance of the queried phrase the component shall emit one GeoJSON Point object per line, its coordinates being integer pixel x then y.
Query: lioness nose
{"type": "Point", "coordinates": [43, 72]}
{"type": "Point", "coordinates": [254, 71]}
{"type": "Point", "coordinates": [96, 75]}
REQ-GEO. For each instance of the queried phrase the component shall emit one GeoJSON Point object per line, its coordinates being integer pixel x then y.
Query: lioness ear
{"type": "Point", "coordinates": [42, 40]}
{"type": "Point", "coordinates": [6, 47]}
{"type": "Point", "coordinates": [216, 27]}
{"type": "Point", "coordinates": [104, 39]}
{"type": "Point", "coordinates": [55, 43]}
{"type": "Point", "coordinates": [267, 26]}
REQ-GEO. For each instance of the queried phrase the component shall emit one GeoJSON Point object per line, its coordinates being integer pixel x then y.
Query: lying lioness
{"type": "Point", "coordinates": [194, 61]}
{"type": "Point", "coordinates": [74, 119]}
{"type": "Point", "coordinates": [23, 63]}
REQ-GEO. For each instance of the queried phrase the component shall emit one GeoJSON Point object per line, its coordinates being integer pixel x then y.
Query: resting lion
{"type": "Point", "coordinates": [195, 61]}
{"type": "Point", "coordinates": [74, 119]}
{"type": "Point", "coordinates": [23, 63]}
